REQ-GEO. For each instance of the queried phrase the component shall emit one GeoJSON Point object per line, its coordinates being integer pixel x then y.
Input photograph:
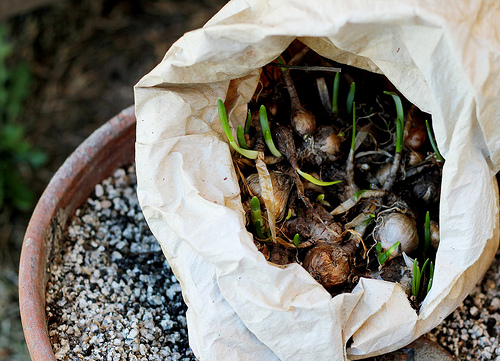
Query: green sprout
{"type": "Point", "coordinates": [321, 199]}
{"type": "Point", "coordinates": [433, 142]}
{"type": "Point", "coordinates": [256, 217]}
{"type": "Point", "coordinates": [289, 214]}
{"type": "Point", "coordinates": [248, 122]}
{"type": "Point", "coordinates": [335, 96]}
{"type": "Point", "coordinates": [281, 62]}
{"type": "Point", "coordinates": [266, 131]}
{"type": "Point", "coordinates": [431, 277]}
{"type": "Point", "coordinates": [350, 97]}
{"type": "Point", "coordinates": [369, 218]}
{"type": "Point", "coordinates": [427, 232]}
{"type": "Point", "coordinates": [417, 277]}
{"type": "Point", "coordinates": [241, 138]}
{"type": "Point", "coordinates": [313, 180]}
{"type": "Point", "coordinates": [296, 240]}
{"type": "Point", "coordinates": [252, 154]}
{"type": "Point", "coordinates": [358, 194]}
{"type": "Point", "coordinates": [384, 256]}
{"type": "Point", "coordinates": [399, 121]}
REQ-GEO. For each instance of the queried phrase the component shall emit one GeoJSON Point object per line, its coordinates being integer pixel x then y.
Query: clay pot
{"type": "Point", "coordinates": [108, 148]}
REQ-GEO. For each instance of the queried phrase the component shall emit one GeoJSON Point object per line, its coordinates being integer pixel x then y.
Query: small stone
{"type": "Point", "coordinates": [99, 191]}
{"type": "Point", "coordinates": [495, 304]}
{"type": "Point", "coordinates": [115, 256]}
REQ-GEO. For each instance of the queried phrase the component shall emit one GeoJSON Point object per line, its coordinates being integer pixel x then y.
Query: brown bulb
{"type": "Point", "coordinates": [434, 235]}
{"type": "Point", "coordinates": [415, 158]}
{"type": "Point", "coordinates": [328, 264]}
{"type": "Point", "coordinates": [303, 122]}
{"type": "Point", "coordinates": [416, 138]}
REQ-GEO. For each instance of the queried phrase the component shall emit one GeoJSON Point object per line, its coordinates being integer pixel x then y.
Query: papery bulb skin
{"type": "Point", "coordinates": [328, 264]}
{"type": "Point", "coordinates": [394, 227]}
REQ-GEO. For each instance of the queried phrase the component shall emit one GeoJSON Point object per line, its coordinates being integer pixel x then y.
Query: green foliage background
{"type": "Point", "coordinates": [17, 156]}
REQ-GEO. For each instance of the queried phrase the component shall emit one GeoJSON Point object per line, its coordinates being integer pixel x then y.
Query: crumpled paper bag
{"type": "Point", "coordinates": [442, 56]}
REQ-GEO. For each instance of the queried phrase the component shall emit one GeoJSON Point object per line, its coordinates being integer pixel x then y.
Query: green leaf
{"type": "Point", "coordinates": [358, 194]}
{"type": "Point", "coordinates": [431, 277]}
{"type": "Point", "coordinates": [266, 131]}
{"type": "Point", "coordinates": [433, 142]}
{"type": "Point", "coordinates": [366, 222]}
{"type": "Point", "coordinates": [350, 97]}
{"type": "Point", "coordinates": [313, 180]}
{"type": "Point", "coordinates": [384, 256]}
{"type": "Point", "coordinates": [251, 154]}
{"type": "Point", "coordinates": [256, 217]}
{"type": "Point", "coordinates": [399, 121]}
{"type": "Point", "coordinates": [296, 240]}
{"type": "Point", "coordinates": [241, 138]}
{"type": "Point", "coordinates": [335, 96]}
{"type": "Point", "coordinates": [427, 232]}
{"type": "Point", "coordinates": [248, 122]}
{"type": "Point", "coordinates": [321, 199]}
{"type": "Point", "coordinates": [415, 281]}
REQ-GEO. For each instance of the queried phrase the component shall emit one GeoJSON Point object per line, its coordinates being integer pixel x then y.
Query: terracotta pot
{"type": "Point", "coordinates": [108, 148]}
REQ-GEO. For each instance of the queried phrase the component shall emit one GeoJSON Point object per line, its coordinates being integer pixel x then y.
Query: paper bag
{"type": "Point", "coordinates": [442, 56]}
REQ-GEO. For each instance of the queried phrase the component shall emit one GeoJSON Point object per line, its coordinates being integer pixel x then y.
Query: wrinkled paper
{"type": "Point", "coordinates": [443, 56]}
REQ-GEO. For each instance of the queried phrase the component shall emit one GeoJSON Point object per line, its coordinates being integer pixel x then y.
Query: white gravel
{"type": "Point", "coordinates": [111, 295]}
{"type": "Point", "coordinates": [471, 331]}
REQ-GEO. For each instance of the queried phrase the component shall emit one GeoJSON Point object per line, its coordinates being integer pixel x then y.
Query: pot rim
{"type": "Point", "coordinates": [109, 147]}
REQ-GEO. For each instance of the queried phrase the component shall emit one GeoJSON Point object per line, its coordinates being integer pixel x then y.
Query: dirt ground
{"type": "Point", "coordinates": [85, 57]}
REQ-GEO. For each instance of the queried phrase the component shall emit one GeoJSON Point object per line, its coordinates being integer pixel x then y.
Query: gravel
{"type": "Point", "coordinates": [111, 294]}
{"type": "Point", "coordinates": [471, 331]}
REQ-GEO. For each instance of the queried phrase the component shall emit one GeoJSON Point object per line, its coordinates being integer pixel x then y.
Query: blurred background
{"type": "Point", "coordinates": [66, 67]}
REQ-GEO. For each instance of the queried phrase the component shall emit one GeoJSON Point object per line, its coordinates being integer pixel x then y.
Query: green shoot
{"type": "Point", "coordinates": [427, 232]}
{"type": "Point", "coordinates": [321, 199]}
{"type": "Point", "coordinates": [384, 256]}
{"type": "Point", "coordinates": [399, 121]}
{"type": "Point", "coordinates": [417, 277]}
{"type": "Point", "coordinates": [313, 180]}
{"type": "Point", "coordinates": [364, 224]}
{"type": "Point", "coordinates": [252, 154]}
{"type": "Point", "coordinates": [433, 142]}
{"type": "Point", "coordinates": [248, 123]}
{"type": "Point", "coordinates": [241, 138]}
{"type": "Point", "coordinates": [350, 97]}
{"type": "Point", "coordinates": [256, 217]}
{"type": "Point", "coordinates": [296, 240]}
{"type": "Point", "coordinates": [353, 139]}
{"type": "Point", "coordinates": [431, 277]}
{"type": "Point", "coordinates": [335, 96]}
{"type": "Point", "coordinates": [281, 62]}
{"type": "Point", "coordinates": [358, 194]}
{"type": "Point", "coordinates": [266, 131]}
{"type": "Point", "coordinates": [289, 214]}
